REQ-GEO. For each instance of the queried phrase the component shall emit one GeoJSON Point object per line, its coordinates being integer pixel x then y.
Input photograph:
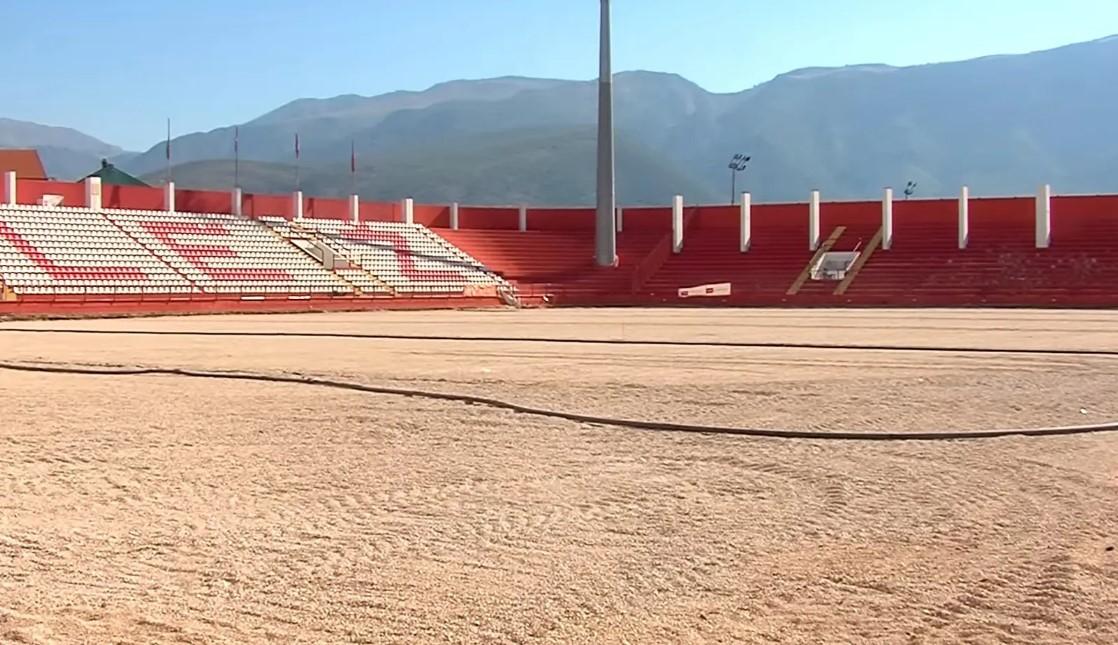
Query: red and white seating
{"type": "Point", "coordinates": [228, 254]}
{"type": "Point", "coordinates": [72, 251]}
{"type": "Point", "coordinates": [367, 283]}
{"type": "Point", "coordinates": [409, 258]}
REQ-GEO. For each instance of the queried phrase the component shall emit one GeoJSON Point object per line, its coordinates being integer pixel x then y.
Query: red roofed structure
{"type": "Point", "coordinates": [25, 163]}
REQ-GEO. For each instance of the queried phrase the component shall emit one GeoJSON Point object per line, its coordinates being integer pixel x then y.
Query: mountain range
{"type": "Point", "coordinates": [1001, 124]}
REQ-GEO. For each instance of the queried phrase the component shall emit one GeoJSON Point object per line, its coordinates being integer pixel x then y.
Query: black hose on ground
{"type": "Point", "coordinates": [581, 341]}
{"type": "Point", "coordinates": [555, 414]}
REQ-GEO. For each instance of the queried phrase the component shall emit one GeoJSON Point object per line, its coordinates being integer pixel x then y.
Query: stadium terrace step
{"type": "Point", "coordinates": [558, 263]}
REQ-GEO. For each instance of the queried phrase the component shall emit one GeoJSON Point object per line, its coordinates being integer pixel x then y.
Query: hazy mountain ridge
{"type": "Point", "coordinates": [66, 153]}
{"type": "Point", "coordinates": [1001, 124]}
{"type": "Point", "coordinates": [521, 167]}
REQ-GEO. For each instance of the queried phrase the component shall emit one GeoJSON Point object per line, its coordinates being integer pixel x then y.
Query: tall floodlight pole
{"type": "Point", "coordinates": [737, 164]}
{"type": "Point", "coordinates": [605, 229]}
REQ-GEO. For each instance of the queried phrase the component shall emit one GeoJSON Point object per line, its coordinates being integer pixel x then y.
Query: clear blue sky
{"type": "Point", "coordinates": [117, 68]}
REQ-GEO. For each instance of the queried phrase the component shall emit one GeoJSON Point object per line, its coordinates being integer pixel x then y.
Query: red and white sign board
{"type": "Point", "coordinates": [706, 291]}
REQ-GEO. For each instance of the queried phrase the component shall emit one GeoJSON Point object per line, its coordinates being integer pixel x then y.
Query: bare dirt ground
{"type": "Point", "coordinates": [155, 509]}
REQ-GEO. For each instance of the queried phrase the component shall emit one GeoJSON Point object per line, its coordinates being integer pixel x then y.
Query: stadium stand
{"type": "Point", "coordinates": [711, 255]}
{"type": "Point", "coordinates": [65, 251]}
{"type": "Point", "coordinates": [1055, 251]}
{"type": "Point", "coordinates": [407, 258]}
{"type": "Point", "coordinates": [1000, 264]}
{"type": "Point", "coordinates": [228, 254]}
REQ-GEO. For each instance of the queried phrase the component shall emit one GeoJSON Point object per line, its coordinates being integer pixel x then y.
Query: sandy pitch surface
{"type": "Point", "coordinates": [173, 510]}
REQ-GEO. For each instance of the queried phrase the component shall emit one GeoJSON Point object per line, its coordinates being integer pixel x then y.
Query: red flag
{"type": "Point", "coordinates": [296, 145]}
{"type": "Point", "coordinates": [352, 157]}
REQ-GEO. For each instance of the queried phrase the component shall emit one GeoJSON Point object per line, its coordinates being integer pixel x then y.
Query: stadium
{"type": "Point", "coordinates": [245, 417]}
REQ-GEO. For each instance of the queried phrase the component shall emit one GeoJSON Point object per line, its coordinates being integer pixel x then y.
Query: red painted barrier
{"type": "Point", "coordinates": [488, 218]}
{"type": "Point", "coordinates": [203, 201]}
{"type": "Point", "coordinates": [380, 212]}
{"type": "Point", "coordinates": [861, 215]}
{"type": "Point", "coordinates": [924, 211]}
{"type": "Point", "coordinates": [778, 221]}
{"type": "Point", "coordinates": [561, 219]}
{"type": "Point", "coordinates": [323, 208]}
{"type": "Point", "coordinates": [139, 198]}
{"type": "Point", "coordinates": [31, 191]}
{"type": "Point", "coordinates": [716, 217]}
{"type": "Point", "coordinates": [253, 205]}
{"type": "Point", "coordinates": [431, 216]}
{"type": "Point", "coordinates": [1082, 216]}
{"type": "Point", "coordinates": [999, 219]}
{"type": "Point", "coordinates": [648, 219]}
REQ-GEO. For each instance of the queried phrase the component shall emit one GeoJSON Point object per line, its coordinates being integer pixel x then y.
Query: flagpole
{"type": "Point", "coordinates": [296, 161]}
{"type": "Point", "coordinates": [168, 178]}
{"type": "Point", "coordinates": [236, 157]}
{"type": "Point", "coordinates": [352, 167]}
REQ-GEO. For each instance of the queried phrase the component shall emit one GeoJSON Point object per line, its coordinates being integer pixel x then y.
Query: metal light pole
{"type": "Point", "coordinates": [737, 164]}
{"type": "Point", "coordinates": [605, 247]}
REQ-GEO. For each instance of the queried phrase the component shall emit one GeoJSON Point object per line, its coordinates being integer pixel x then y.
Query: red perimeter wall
{"type": "Point", "coordinates": [431, 216]}
{"type": "Point", "coordinates": [561, 219]}
{"type": "Point", "coordinates": [137, 198]}
{"type": "Point", "coordinates": [254, 205]}
{"type": "Point", "coordinates": [30, 191]}
{"type": "Point", "coordinates": [323, 208]}
{"type": "Point", "coordinates": [489, 218]}
{"type": "Point", "coordinates": [999, 219]}
{"type": "Point", "coordinates": [204, 201]}
{"type": "Point", "coordinates": [1080, 216]}
{"type": "Point", "coordinates": [649, 219]}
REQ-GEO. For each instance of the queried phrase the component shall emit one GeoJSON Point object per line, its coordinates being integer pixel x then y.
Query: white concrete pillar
{"type": "Point", "coordinates": [168, 197]}
{"type": "Point", "coordinates": [297, 205]}
{"type": "Point", "coordinates": [522, 219]}
{"type": "Point", "coordinates": [1044, 217]}
{"type": "Point", "coordinates": [813, 221]}
{"type": "Point", "coordinates": [964, 217]}
{"type": "Point", "coordinates": [93, 193]}
{"type": "Point", "coordinates": [620, 220]}
{"type": "Point", "coordinates": [677, 224]}
{"type": "Point", "coordinates": [9, 188]}
{"type": "Point", "coordinates": [409, 211]}
{"type": "Point", "coordinates": [238, 201]}
{"type": "Point", "coordinates": [746, 226]}
{"type": "Point", "coordinates": [887, 219]}
{"type": "Point", "coordinates": [354, 209]}
{"type": "Point", "coordinates": [454, 216]}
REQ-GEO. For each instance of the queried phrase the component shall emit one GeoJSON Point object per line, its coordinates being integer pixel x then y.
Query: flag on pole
{"type": "Point", "coordinates": [296, 145]}
{"type": "Point", "coordinates": [236, 139]}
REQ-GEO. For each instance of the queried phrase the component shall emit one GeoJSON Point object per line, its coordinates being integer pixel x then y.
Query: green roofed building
{"type": "Point", "coordinates": [111, 175]}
